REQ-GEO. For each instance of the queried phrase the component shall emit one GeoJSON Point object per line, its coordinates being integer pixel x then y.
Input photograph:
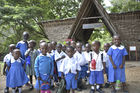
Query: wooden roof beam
{"type": "Point", "coordinates": [88, 18]}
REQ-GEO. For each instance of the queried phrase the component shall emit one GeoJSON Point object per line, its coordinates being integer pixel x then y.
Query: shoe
{"type": "Point", "coordinates": [78, 89]}
{"type": "Point", "coordinates": [100, 90]}
{"type": "Point", "coordinates": [31, 87]}
{"type": "Point", "coordinates": [92, 91]}
{"type": "Point", "coordinates": [6, 90]}
{"type": "Point", "coordinates": [16, 89]}
{"type": "Point", "coordinates": [107, 85]}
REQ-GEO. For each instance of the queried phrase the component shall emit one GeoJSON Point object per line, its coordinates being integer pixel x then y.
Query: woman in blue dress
{"type": "Point", "coordinates": [16, 76]}
{"type": "Point", "coordinates": [117, 54]}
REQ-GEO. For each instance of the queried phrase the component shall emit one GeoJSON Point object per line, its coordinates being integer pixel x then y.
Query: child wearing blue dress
{"type": "Point", "coordinates": [23, 45]}
{"type": "Point", "coordinates": [70, 68]}
{"type": "Point", "coordinates": [16, 76]}
{"type": "Point", "coordinates": [6, 59]}
{"type": "Point", "coordinates": [43, 67]}
{"type": "Point", "coordinates": [117, 54]}
{"type": "Point", "coordinates": [96, 68]}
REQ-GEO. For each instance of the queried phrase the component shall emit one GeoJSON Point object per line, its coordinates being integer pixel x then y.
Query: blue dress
{"type": "Point", "coordinates": [117, 54]}
{"type": "Point", "coordinates": [23, 46]}
{"type": "Point", "coordinates": [16, 76]}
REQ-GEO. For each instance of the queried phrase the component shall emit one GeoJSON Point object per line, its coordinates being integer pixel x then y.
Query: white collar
{"type": "Point", "coordinates": [13, 60]}
{"type": "Point", "coordinates": [115, 47]}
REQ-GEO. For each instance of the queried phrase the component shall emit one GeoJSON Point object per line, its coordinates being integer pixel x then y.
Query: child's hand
{"type": "Point", "coordinates": [114, 66]}
{"type": "Point", "coordinates": [63, 56]}
{"type": "Point", "coordinates": [39, 78]}
{"type": "Point", "coordinates": [51, 77]}
{"type": "Point", "coordinates": [121, 66]}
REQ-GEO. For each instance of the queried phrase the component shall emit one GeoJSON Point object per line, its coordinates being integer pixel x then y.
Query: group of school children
{"type": "Point", "coordinates": [53, 62]}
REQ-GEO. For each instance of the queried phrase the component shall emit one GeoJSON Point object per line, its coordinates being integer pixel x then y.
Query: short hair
{"type": "Point", "coordinates": [96, 42]}
{"type": "Point", "coordinates": [70, 48]}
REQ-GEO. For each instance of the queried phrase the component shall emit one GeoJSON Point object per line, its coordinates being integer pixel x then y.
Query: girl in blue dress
{"type": "Point", "coordinates": [117, 54]}
{"type": "Point", "coordinates": [16, 76]}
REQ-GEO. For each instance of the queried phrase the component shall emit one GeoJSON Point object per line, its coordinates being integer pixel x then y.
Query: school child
{"type": "Point", "coordinates": [31, 55]}
{"type": "Point", "coordinates": [96, 68]}
{"type": "Point", "coordinates": [68, 43]}
{"type": "Point", "coordinates": [70, 68]}
{"type": "Point", "coordinates": [59, 56]}
{"type": "Point", "coordinates": [23, 45]}
{"type": "Point", "coordinates": [105, 59]}
{"type": "Point", "coordinates": [87, 54]}
{"type": "Point", "coordinates": [16, 76]}
{"type": "Point", "coordinates": [53, 46]}
{"type": "Point", "coordinates": [117, 54]}
{"type": "Point", "coordinates": [39, 51]}
{"type": "Point", "coordinates": [79, 55]}
{"type": "Point", "coordinates": [43, 69]}
{"type": "Point", "coordinates": [6, 59]}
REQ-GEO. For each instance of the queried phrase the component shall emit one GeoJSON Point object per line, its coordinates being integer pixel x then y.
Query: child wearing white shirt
{"type": "Point", "coordinates": [79, 55]}
{"type": "Point", "coordinates": [96, 68]}
{"type": "Point", "coordinates": [70, 68]}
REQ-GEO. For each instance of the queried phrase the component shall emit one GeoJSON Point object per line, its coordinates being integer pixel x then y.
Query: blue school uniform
{"type": "Point", "coordinates": [117, 54]}
{"type": "Point", "coordinates": [43, 68]}
{"type": "Point", "coordinates": [23, 46]}
{"type": "Point", "coordinates": [69, 67]}
{"type": "Point", "coordinates": [96, 75]}
{"type": "Point", "coordinates": [16, 76]}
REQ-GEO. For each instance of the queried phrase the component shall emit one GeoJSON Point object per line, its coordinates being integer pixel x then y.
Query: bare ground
{"type": "Point", "coordinates": [132, 77]}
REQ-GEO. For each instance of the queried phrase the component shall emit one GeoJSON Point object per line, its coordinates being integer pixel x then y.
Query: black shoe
{"type": "Point", "coordinates": [100, 90]}
{"type": "Point", "coordinates": [79, 89]}
{"type": "Point", "coordinates": [6, 90]}
{"type": "Point", "coordinates": [107, 85]}
{"type": "Point", "coordinates": [31, 87]}
{"type": "Point", "coordinates": [16, 89]}
{"type": "Point", "coordinates": [92, 91]}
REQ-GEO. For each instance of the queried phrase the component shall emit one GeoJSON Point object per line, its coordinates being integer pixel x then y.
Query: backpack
{"type": "Point", "coordinates": [62, 87]}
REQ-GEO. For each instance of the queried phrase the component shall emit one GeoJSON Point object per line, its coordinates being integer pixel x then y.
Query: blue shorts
{"type": "Point", "coordinates": [71, 82]}
{"type": "Point", "coordinates": [96, 77]}
{"type": "Point", "coordinates": [83, 72]}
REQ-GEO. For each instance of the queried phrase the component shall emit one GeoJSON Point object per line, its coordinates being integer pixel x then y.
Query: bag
{"type": "Point", "coordinates": [62, 87]}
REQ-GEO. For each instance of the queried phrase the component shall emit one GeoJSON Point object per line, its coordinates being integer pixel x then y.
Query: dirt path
{"type": "Point", "coordinates": [132, 77]}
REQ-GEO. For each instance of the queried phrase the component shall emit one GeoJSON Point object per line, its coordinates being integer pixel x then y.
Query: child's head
{"type": "Point", "coordinates": [32, 43]}
{"type": "Point", "coordinates": [12, 47]}
{"type": "Point", "coordinates": [70, 51]}
{"type": "Point", "coordinates": [106, 46]}
{"type": "Point", "coordinates": [87, 47]}
{"type": "Point", "coordinates": [96, 46]}
{"type": "Point", "coordinates": [25, 36]}
{"type": "Point", "coordinates": [53, 45]}
{"type": "Point", "coordinates": [16, 54]}
{"type": "Point", "coordinates": [79, 47]}
{"type": "Point", "coordinates": [59, 47]}
{"type": "Point", "coordinates": [73, 44]}
{"type": "Point", "coordinates": [49, 47]}
{"type": "Point", "coordinates": [63, 48]}
{"type": "Point", "coordinates": [117, 40]}
{"type": "Point", "coordinates": [43, 48]}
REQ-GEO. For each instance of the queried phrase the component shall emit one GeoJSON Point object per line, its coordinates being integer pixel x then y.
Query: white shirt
{"type": "Point", "coordinates": [7, 57]}
{"type": "Point", "coordinates": [99, 64]}
{"type": "Point", "coordinates": [80, 58]}
{"type": "Point", "coordinates": [87, 56]}
{"type": "Point", "coordinates": [13, 60]}
{"type": "Point", "coordinates": [57, 56]}
{"type": "Point", "coordinates": [106, 58]}
{"type": "Point", "coordinates": [70, 64]}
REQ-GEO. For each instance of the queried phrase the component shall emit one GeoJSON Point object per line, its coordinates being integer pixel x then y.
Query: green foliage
{"type": "Point", "coordinates": [124, 5]}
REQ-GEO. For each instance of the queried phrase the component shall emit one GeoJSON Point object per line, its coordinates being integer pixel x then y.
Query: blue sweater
{"type": "Point", "coordinates": [43, 65]}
